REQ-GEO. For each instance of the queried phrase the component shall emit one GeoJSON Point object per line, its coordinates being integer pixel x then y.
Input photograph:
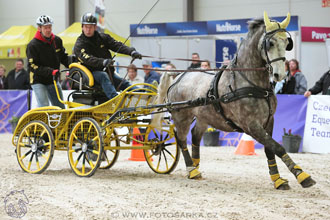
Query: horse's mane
{"type": "Point", "coordinates": [255, 25]}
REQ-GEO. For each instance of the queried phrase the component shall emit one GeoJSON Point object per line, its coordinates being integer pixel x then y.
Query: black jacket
{"type": "Point", "coordinates": [322, 85]}
{"type": "Point", "coordinates": [92, 51]}
{"type": "Point", "coordinates": [22, 81]}
{"type": "Point", "coordinates": [45, 56]}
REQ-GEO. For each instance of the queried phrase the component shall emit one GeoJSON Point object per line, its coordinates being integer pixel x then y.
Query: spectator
{"type": "Point", "coordinates": [301, 82]}
{"type": "Point", "coordinates": [323, 85]}
{"type": "Point", "coordinates": [17, 78]}
{"type": "Point", "coordinates": [195, 64]}
{"type": "Point", "coordinates": [45, 53]}
{"type": "Point", "coordinates": [171, 66]}
{"type": "Point", "coordinates": [2, 76]}
{"type": "Point", "coordinates": [93, 51]}
{"type": "Point", "coordinates": [133, 78]}
{"type": "Point", "coordinates": [287, 85]}
{"type": "Point", "coordinates": [150, 75]}
{"type": "Point", "coordinates": [205, 65]}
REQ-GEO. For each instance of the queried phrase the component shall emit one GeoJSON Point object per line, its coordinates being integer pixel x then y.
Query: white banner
{"type": "Point", "coordinates": [317, 127]}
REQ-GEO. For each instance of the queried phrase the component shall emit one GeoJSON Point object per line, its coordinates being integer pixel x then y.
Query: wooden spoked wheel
{"type": "Point", "coordinates": [109, 156]}
{"type": "Point", "coordinates": [164, 154]}
{"type": "Point", "coordinates": [35, 147]}
{"type": "Point", "coordinates": [85, 147]}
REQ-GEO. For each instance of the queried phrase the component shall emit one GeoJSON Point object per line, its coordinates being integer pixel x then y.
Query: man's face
{"type": "Point", "coordinates": [147, 69]}
{"type": "Point", "coordinates": [88, 29]}
{"type": "Point", "coordinates": [46, 30]}
{"type": "Point", "coordinates": [195, 57]}
{"type": "Point", "coordinates": [205, 65]}
{"type": "Point", "coordinates": [18, 65]}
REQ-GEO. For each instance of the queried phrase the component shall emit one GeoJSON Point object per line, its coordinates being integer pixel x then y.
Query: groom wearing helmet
{"type": "Point", "coordinates": [45, 53]}
{"type": "Point", "coordinates": [93, 51]}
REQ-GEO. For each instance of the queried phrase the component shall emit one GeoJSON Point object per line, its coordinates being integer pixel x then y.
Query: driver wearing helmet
{"type": "Point", "coordinates": [45, 53]}
{"type": "Point", "coordinates": [93, 51]}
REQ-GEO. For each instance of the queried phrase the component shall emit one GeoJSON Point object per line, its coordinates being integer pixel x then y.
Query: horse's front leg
{"type": "Point", "coordinates": [260, 134]}
{"type": "Point", "coordinates": [279, 182]}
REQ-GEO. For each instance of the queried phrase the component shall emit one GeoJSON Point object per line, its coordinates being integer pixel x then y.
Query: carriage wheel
{"type": "Point", "coordinates": [109, 157]}
{"type": "Point", "coordinates": [35, 147]}
{"type": "Point", "coordinates": [85, 147]}
{"type": "Point", "coordinates": [164, 154]}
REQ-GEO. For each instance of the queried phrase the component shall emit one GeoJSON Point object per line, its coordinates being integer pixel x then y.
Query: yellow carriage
{"type": "Point", "coordinates": [90, 135]}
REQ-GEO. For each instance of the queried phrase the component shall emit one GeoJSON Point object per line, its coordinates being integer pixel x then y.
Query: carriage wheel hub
{"type": "Point", "coordinates": [84, 147]}
{"type": "Point", "coordinates": [34, 147]}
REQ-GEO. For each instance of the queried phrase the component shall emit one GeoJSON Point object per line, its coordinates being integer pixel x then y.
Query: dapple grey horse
{"type": "Point", "coordinates": [264, 46]}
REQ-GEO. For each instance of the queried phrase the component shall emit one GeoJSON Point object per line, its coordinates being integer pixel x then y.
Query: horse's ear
{"type": "Point", "coordinates": [266, 20]}
{"type": "Point", "coordinates": [286, 21]}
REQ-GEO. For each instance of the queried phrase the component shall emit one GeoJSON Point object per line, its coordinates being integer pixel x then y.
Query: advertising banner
{"type": "Point", "coordinates": [314, 34]}
{"type": "Point", "coordinates": [317, 128]}
{"type": "Point", "coordinates": [99, 14]}
{"type": "Point", "coordinates": [224, 50]}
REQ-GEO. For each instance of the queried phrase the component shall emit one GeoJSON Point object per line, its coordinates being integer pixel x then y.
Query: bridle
{"type": "Point", "coordinates": [266, 47]}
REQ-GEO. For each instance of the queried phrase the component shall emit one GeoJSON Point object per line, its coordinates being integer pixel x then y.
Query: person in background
{"type": "Point", "coordinates": [301, 82]}
{"type": "Point", "coordinates": [205, 65]}
{"type": "Point", "coordinates": [2, 76]}
{"type": "Point", "coordinates": [133, 78]}
{"type": "Point", "coordinates": [45, 53]}
{"type": "Point", "coordinates": [323, 85]}
{"type": "Point", "coordinates": [150, 75]}
{"type": "Point", "coordinates": [195, 64]}
{"type": "Point", "coordinates": [287, 85]}
{"type": "Point", "coordinates": [93, 50]}
{"type": "Point", "coordinates": [17, 78]}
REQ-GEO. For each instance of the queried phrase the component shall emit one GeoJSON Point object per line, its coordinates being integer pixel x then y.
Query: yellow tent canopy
{"type": "Point", "coordinates": [13, 42]}
{"type": "Point", "coordinates": [70, 35]}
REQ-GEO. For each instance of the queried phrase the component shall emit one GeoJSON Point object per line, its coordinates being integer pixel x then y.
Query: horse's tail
{"type": "Point", "coordinates": [165, 82]}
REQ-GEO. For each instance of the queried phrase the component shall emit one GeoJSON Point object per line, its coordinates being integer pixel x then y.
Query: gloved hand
{"type": "Point", "coordinates": [54, 72]}
{"type": "Point", "coordinates": [136, 55]}
{"type": "Point", "coordinates": [107, 62]}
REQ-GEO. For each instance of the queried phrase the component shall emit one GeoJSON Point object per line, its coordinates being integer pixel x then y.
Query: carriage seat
{"type": "Point", "coordinates": [82, 80]}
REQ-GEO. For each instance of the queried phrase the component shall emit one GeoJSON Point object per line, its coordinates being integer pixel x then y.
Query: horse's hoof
{"type": "Point", "coordinates": [308, 182]}
{"type": "Point", "coordinates": [194, 174]}
{"type": "Point", "coordinates": [284, 186]}
{"type": "Point", "coordinates": [281, 184]}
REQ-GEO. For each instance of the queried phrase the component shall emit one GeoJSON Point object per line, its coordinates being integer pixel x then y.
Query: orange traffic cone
{"type": "Point", "coordinates": [245, 146]}
{"type": "Point", "coordinates": [137, 154]}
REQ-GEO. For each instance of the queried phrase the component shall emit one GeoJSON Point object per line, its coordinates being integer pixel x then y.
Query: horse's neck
{"type": "Point", "coordinates": [250, 57]}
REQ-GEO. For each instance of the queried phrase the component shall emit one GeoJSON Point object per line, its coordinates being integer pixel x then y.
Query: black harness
{"type": "Point", "coordinates": [252, 91]}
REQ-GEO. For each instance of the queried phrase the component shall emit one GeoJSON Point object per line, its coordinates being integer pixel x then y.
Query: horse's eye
{"type": "Point", "coordinates": [271, 44]}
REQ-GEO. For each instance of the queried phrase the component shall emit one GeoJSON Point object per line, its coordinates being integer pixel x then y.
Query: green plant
{"type": "Point", "coordinates": [290, 133]}
{"type": "Point", "coordinates": [14, 119]}
{"type": "Point", "coordinates": [211, 129]}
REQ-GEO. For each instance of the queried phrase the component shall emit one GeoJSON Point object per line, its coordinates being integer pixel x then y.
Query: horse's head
{"type": "Point", "coordinates": [273, 45]}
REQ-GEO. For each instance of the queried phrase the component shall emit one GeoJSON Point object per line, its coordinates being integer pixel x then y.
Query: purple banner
{"type": "Point", "coordinates": [290, 114]}
{"type": "Point", "coordinates": [12, 103]}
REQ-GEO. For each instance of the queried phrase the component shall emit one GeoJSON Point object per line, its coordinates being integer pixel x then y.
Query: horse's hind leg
{"type": "Point", "coordinates": [196, 137]}
{"type": "Point", "coordinates": [279, 182]}
{"type": "Point", "coordinates": [264, 138]}
{"type": "Point", "coordinates": [182, 129]}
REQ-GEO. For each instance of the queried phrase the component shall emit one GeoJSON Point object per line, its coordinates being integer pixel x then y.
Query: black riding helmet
{"type": "Point", "coordinates": [88, 18]}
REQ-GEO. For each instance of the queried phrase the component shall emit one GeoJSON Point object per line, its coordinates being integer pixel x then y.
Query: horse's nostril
{"type": "Point", "coordinates": [276, 75]}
